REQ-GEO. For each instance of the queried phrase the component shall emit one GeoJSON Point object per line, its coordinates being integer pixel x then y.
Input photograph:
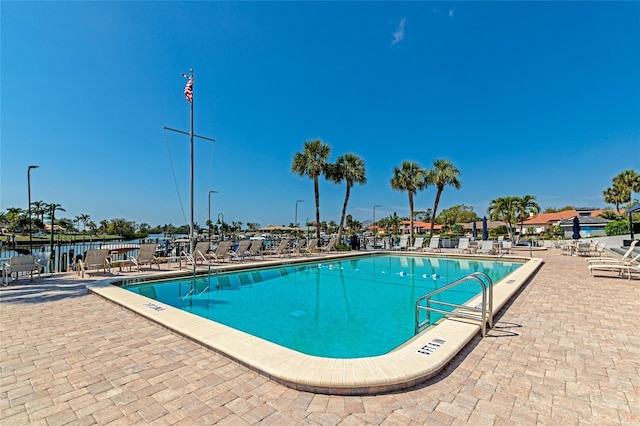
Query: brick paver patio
{"type": "Point", "coordinates": [566, 351]}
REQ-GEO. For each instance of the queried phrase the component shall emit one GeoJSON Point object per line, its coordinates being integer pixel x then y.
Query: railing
{"type": "Point", "coordinates": [484, 312]}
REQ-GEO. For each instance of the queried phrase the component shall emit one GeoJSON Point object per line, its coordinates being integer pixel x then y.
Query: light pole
{"type": "Point", "coordinates": [374, 224]}
{"type": "Point", "coordinates": [221, 226]}
{"type": "Point", "coordinates": [209, 223]}
{"type": "Point", "coordinates": [295, 223]}
{"type": "Point", "coordinates": [29, 196]}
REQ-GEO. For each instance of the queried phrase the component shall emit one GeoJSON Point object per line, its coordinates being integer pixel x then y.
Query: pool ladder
{"type": "Point", "coordinates": [482, 312]}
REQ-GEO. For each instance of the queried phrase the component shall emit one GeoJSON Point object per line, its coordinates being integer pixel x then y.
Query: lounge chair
{"type": "Point", "coordinates": [19, 264]}
{"type": "Point", "coordinates": [299, 247]}
{"type": "Point", "coordinates": [613, 261]}
{"type": "Point", "coordinates": [200, 252]}
{"type": "Point", "coordinates": [241, 251]}
{"type": "Point", "coordinates": [331, 245]}
{"type": "Point", "coordinates": [94, 259]}
{"type": "Point", "coordinates": [625, 256]}
{"type": "Point", "coordinates": [463, 246]}
{"type": "Point", "coordinates": [312, 245]}
{"type": "Point", "coordinates": [146, 256]}
{"type": "Point", "coordinates": [599, 249]}
{"type": "Point", "coordinates": [220, 253]}
{"type": "Point", "coordinates": [630, 267]}
{"type": "Point", "coordinates": [417, 244]}
{"type": "Point", "coordinates": [583, 249]}
{"type": "Point", "coordinates": [255, 249]}
{"type": "Point", "coordinates": [434, 244]}
{"type": "Point", "coordinates": [403, 243]}
{"type": "Point", "coordinates": [486, 247]}
{"type": "Point", "coordinates": [282, 249]}
{"type": "Point", "coordinates": [506, 247]}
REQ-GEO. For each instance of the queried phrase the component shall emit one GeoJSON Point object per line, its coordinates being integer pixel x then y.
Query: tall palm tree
{"type": "Point", "coordinates": [504, 209]}
{"type": "Point", "coordinates": [410, 177]}
{"type": "Point", "coordinates": [614, 195]}
{"type": "Point", "coordinates": [350, 168]}
{"type": "Point", "coordinates": [312, 162]}
{"type": "Point", "coordinates": [443, 173]}
{"type": "Point", "coordinates": [52, 209]}
{"type": "Point", "coordinates": [526, 206]}
{"type": "Point", "coordinates": [626, 183]}
{"type": "Point", "coordinates": [40, 208]}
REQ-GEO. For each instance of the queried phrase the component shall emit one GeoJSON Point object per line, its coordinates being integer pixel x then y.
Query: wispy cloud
{"type": "Point", "coordinates": [451, 12]}
{"type": "Point", "coordinates": [398, 34]}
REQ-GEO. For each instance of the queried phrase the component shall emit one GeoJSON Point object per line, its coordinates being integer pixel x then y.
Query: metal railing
{"type": "Point", "coordinates": [483, 313]}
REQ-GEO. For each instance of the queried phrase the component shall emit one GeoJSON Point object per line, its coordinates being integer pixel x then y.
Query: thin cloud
{"type": "Point", "coordinates": [398, 34]}
{"type": "Point", "coordinates": [451, 12]}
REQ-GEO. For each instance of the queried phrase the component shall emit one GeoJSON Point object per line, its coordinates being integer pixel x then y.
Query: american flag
{"type": "Point", "coordinates": [188, 88]}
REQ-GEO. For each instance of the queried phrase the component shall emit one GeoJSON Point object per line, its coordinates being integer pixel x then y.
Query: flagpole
{"type": "Point", "coordinates": [191, 226]}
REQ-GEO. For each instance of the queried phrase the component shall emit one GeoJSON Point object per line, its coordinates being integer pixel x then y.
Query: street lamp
{"type": "Point", "coordinates": [221, 226]}
{"type": "Point", "coordinates": [209, 224]}
{"type": "Point", "coordinates": [374, 224]}
{"type": "Point", "coordinates": [29, 196]}
{"type": "Point", "coordinates": [295, 223]}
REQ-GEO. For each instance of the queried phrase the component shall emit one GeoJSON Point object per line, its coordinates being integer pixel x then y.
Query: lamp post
{"type": "Point", "coordinates": [374, 224]}
{"type": "Point", "coordinates": [221, 226]}
{"type": "Point", "coordinates": [295, 223]}
{"type": "Point", "coordinates": [29, 197]}
{"type": "Point", "coordinates": [209, 223]}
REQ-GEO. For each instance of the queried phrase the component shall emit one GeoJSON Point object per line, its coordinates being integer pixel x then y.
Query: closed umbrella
{"type": "Point", "coordinates": [474, 230]}
{"type": "Point", "coordinates": [576, 228]}
{"type": "Point", "coordinates": [485, 232]}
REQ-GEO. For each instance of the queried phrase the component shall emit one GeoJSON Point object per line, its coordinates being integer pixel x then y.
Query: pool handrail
{"type": "Point", "coordinates": [486, 318]}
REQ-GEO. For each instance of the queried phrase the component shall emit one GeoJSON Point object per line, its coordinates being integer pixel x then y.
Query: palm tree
{"type": "Point", "coordinates": [614, 195]}
{"type": "Point", "coordinates": [627, 182]}
{"type": "Point", "coordinates": [504, 209]}
{"type": "Point", "coordinates": [410, 177]}
{"type": "Point", "coordinates": [312, 162]}
{"type": "Point", "coordinates": [526, 206]}
{"type": "Point", "coordinates": [350, 168]}
{"type": "Point", "coordinates": [443, 173]}
{"type": "Point", "coordinates": [40, 208]}
{"type": "Point", "coordinates": [52, 209]}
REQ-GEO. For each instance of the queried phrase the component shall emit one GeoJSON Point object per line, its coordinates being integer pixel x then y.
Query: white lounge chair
{"type": "Point", "coordinates": [403, 243]}
{"type": "Point", "coordinates": [312, 245]}
{"type": "Point", "coordinates": [486, 247]}
{"type": "Point", "coordinates": [629, 267]}
{"type": "Point", "coordinates": [331, 245]}
{"type": "Point", "coordinates": [255, 249]}
{"type": "Point", "coordinates": [434, 244]}
{"type": "Point", "coordinates": [417, 244]}
{"type": "Point", "coordinates": [242, 251]}
{"type": "Point", "coordinates": [506, 247]}
{"type": "Point", "coordinates": [220, 253]}
{"type": "Point", "coordinates": [94, 259]}
{"type": "Point", "coordinates": [19, 264]}
{"type": "Point", "coordinates": [625, 256]}
{"type": "Point", "coordinates": [463, 246]}
{"type": "Point", "coordinates": [146, 256]}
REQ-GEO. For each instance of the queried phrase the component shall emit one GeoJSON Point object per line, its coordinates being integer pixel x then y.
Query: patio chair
{"type": "Point", "coordinates": [200, 252]}
{"type": "Point", "coordinates": [19, 264]}
{"type": "Point", "coordinates": [463, 246]}
{"type": "Point", "coordinates": [220, 253]}
{"type": "Point", "coordinates": [417, 244]}
{"type": "Point", "coordinates": [94, 259]}
{"type": "Point", "coordinates": [506, 247]}
{"type": "Point", "coordinates": [255, 249]}
{"type": "Point", "coordinates": [299, 247]}
{"type": "Point", "coordinates": [312, 245]}
{"type": "Point", "coordinates": [630, 267]}
{"type": "Point", "coordinates": [486, 247]}
{"type": "Point", "coordinates": [331, 245]}
{"type": "Point", "coordinates": [583, 249]}
{"type": "Point", "coordinates": [241, 251]}
{"type": "Point", "coordinates": [282, 249]}
{"type": "Point", "coordinates": [434, 244]}
{"type": "Point", "coordinates": [403, 243]}
{"type": "Point", "coordinates": [146, 256]}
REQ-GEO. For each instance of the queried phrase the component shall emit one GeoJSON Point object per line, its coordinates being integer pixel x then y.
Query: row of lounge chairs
{"type": "Point", "coordinates": [465, 245]}
{"type": "Point", "coordinates": [627, 265]}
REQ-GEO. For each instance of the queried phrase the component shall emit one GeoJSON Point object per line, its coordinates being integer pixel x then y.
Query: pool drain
{"type": "Point", "coordinates": [431, 347]}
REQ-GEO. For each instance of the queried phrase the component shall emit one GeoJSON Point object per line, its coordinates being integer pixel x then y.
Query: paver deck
{"type": "Point", "coordinates": [565, 351]}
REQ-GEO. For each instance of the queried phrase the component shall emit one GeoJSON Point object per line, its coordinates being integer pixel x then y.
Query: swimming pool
{"type": "Point", "coordinates": [349, 308]}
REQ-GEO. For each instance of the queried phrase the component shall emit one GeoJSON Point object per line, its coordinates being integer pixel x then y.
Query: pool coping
{"type": "Point", "coordinates": [419, 359]}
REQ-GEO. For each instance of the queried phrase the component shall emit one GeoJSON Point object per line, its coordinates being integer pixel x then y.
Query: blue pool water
{"type": "Point", "coordinates": [348, 308]}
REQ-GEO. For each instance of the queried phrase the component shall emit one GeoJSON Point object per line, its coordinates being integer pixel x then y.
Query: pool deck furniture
{"type": "Point", "coordinates": [434, 245]}
{"type": "Point", "coordinates": [621, 267]}
{"type": "Point", "coordinates": [403, 243]}
{"type": "Point", "coordinates": [94, 259]}
{"type": "Point", "coordinates": [241, 252]}
{"type": "Point", "coordinates": [17, 265]}
{"type": "Point", "coordinates": [146, 256]}
{"type": "Point", "coordinates": [417, 244]}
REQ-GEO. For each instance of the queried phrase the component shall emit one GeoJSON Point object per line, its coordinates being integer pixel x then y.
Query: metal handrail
{"type": "Point", "coordinates": [486, 318]}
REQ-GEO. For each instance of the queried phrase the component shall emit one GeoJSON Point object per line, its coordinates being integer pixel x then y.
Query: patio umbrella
{"type": "Point", "coordinates": [485, 232]}
{"type": "Point", "coordinates": [576, 228]}
{"type": "Point", "coordinates": [474, 230]}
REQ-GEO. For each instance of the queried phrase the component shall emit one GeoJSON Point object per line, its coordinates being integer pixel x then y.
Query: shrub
{"type": "Point", "coordinates": [618, 227]}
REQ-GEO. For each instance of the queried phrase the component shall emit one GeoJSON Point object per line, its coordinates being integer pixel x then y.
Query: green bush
{"type": "Point", "coordinates": [618, 227]}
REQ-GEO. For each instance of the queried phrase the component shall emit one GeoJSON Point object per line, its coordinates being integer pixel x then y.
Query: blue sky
{"type": "Point", "coordinates": [523, 97]}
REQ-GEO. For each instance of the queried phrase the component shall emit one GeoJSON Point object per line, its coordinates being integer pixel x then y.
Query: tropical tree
{"type": "Point", "coordinates": [351, 169]}
{"type": "Point", "coordinates": [504, 209]}
{"type": "Point", "coordinates": [410, 177]}
{"type": "Point", "coordinates": [615, 195]}
{"type": "Point", "coordinates": [53, 207]}
{"type": "Point", "coordinates": [525, 207]}
{"type": "Point", "coordinates": [624, 185]}
{"type": "Point", "coordinates": [40, 208]}
{"type": "Point", "coordinates": [312, 162]}
{"type": "Point", "coordinates": [444, 173]}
